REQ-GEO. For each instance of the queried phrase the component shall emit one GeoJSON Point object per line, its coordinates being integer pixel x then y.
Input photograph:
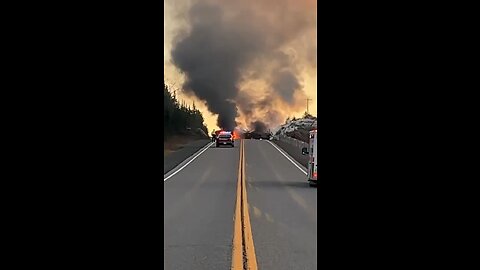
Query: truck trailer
{"type": "Point", "coordinates": [311, 151]}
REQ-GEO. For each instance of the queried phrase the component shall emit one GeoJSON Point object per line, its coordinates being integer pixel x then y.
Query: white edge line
{"type": "Point", "coordinates": [281, 152]}
{"type": "Point", "coordinates": [190, 161]}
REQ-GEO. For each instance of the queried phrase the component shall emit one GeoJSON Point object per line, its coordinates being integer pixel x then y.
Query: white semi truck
{"type": "Point", "coordinates": [312, 160]}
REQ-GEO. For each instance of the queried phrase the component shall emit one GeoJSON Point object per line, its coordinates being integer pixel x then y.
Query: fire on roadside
{"type": "Point", "coordinates": [235, 135]}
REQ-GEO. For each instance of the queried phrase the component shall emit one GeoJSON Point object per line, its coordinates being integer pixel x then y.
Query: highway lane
{"type": "Point", "coordinates": [199, 206]}
{"type": "Point", "coordinates": [283, 210]}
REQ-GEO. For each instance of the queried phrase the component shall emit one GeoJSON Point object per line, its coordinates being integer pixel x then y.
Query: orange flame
{"type": "Point", "coordinates": [235, 135]}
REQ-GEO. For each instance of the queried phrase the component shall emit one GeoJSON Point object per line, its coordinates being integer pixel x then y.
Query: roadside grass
{"type": "Point", "coordinates": [175, 143]}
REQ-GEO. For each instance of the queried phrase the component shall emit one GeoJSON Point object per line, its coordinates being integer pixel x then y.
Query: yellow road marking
{"type": "Point", "coordinates": [237, 248]}
{"type": "Point", "coordinates": [249, 247]}
{"type": "Point", "coordinates": [242, 234]}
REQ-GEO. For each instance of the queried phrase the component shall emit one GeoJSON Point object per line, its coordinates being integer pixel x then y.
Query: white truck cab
{"type": "Point", "coordinates": [312, 160]}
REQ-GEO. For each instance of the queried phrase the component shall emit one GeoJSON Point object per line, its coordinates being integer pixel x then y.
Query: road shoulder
{"type": "Point", "coordinates": [174, 158]}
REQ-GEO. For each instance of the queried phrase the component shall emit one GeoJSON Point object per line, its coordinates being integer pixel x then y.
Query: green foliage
{"type": "Point", "coordinates": [178, 118]}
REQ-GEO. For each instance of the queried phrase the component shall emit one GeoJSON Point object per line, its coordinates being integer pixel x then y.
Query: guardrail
{"type": "Point", "coordinates": [293, 147]}
{"type": "Point", "coordinates": [297, 143]}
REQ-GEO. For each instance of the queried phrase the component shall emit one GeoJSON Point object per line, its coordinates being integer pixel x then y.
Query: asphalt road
{"type": "Point", "coordinates": [199, 204]}
{"type": "Point", "coordinates": [176, 157]}
{"type": "Point", "coordinates": [283, 210]}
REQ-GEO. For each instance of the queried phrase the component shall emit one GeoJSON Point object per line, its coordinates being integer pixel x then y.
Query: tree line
{"type": "Point", "coordinates": [178, 118]}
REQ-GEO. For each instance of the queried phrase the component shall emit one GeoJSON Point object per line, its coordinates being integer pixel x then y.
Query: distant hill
{"type": "Point", "coordinates": [298, 128]}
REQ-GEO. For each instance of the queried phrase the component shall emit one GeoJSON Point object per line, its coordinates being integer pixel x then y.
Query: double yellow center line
{"type": "Point", "coordinates": [243, 252]}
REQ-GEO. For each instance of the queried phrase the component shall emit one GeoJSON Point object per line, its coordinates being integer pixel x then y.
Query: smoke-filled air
{"type": "Point", "coordinates": [246, 60]}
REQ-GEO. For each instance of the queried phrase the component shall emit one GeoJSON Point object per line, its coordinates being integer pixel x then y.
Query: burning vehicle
{"type": "Point", "coordinates": [257, 135]}
{"type": "Point", "coordinates": [259, 132]}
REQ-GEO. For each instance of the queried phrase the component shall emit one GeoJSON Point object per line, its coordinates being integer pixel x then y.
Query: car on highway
{"type": "Point", "coordinates": [224, 138]}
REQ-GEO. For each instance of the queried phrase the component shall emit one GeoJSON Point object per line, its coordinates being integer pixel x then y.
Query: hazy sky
{"type": "Point", "coordinates": [256, 56]}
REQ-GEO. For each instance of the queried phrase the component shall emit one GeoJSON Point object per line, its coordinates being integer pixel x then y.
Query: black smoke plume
{"type": "Point", "coordinates": [211, 57]}
{"type": "Point", "coordinates": [259, 127]}
{"type": "Point", "coordinates": [226, 38]}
